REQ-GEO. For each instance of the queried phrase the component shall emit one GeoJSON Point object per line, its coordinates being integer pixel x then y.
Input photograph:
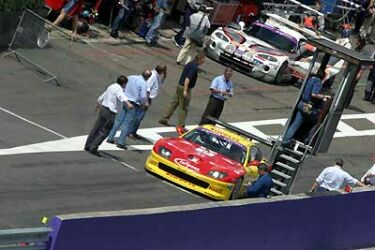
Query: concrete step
{"type": "Point", "coordinates": [281, 174]}
{"type": "Point", "coordinates": [283, 165]}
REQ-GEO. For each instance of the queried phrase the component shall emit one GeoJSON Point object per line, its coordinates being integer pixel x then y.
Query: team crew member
{"type": "Point", "coordinates": [334, 178]}
{"type": "Point", "coordinates": [72, 8]}
{"type": "Point", "coordinates": [262, 186]}
{"type": "Point", "coordinates": [109, 103]}
{"type": "Point", "coordinates": [136, 93]}
{"type": "Point", "coordinates": [221, 88]}
{"type": "Point", "coordinates": [181, 99]}
{"type": "Point", "coordinates": [156, 80]}
{"type": "Point", "coordinates": [369, 177]}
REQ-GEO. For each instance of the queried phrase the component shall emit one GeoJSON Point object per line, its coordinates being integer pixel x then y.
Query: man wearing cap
{"type": "Point", "coordinates": [334, 178]}
{"type": "Point", "coordinates": [262, 186]}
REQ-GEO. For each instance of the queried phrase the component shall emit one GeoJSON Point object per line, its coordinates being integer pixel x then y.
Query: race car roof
{"type": "Point", "coordinates": [341, 52]}
{"type": "Point", "coordinates": [229, 134]}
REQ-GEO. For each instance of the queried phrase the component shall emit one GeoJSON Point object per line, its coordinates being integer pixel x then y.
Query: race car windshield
{"type": "Point", "coordinates": [218, 144]}
{"type": "Point", "coordinates": [271, 37]}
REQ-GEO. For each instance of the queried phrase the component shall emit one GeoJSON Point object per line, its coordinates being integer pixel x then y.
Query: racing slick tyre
{"type": "Point", "coordinates": [237, 189]}
{"type": "Point", "coordinates": [280, 74]}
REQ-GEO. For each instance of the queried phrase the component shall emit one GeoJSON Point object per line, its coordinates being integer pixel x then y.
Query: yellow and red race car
{"type": "Point", "coordinates": [210, 160]}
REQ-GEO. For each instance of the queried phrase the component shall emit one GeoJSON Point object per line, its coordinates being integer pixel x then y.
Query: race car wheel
{"type": "Point", "coordinates": [280, 74]}
{"type": "Point", "coordinates": [236, 190]}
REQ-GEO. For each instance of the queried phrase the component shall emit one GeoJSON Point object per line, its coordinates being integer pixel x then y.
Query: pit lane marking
{"type": "Point", "coordinates": [153, 134]}
{"type": "Point", "coordinates": [32, 123]}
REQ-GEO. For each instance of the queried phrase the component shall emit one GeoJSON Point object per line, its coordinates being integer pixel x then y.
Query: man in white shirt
{"type": "Point", "coordinates": [334, 178]}
{"type": "Point", "coordinates": [369, 177]}
{"type": "Point", "coordinates": [108, 104]}
{"type": "Point", "coordinates": [136, 92]}
{"type": "Point", "coordinates": [156, 80]}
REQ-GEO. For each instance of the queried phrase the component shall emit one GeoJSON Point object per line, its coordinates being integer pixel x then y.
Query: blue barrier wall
{"type": "Point", "coordinates": [329, 222]}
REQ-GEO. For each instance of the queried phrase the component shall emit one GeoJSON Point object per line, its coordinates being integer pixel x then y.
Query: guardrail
{"type": "Point", "coordinates": [25, 238]}
{"type": "Point", "coordinates": [332, 221]}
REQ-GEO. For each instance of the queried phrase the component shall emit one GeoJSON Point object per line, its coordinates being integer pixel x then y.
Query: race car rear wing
{"type": "Point", "coordinates": [304, 31]}
{"type": "Point", "coordinates": [241, 132]}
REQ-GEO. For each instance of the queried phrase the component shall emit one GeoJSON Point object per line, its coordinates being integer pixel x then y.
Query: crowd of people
{"type": "Point", "coordinates": [124, 103]}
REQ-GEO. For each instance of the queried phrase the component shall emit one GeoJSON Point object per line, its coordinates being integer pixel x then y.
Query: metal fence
{"type": "Point", "coordinates": [42, 46]}
{"type": "Point", "coordinates": [25, 238]}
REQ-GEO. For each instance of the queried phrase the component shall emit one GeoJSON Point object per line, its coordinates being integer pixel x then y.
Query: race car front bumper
{"type": "Point", "coordinates": [187, 178]}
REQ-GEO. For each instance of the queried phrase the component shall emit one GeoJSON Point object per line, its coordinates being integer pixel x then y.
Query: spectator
{"type": "Point", "coordinates": [361, 15]}
{"type": "Point", "coordinates": [369, 177]}
{"type": "Point", "coordinates": [369, 24]}
{"type": "Point", "coordinates": [126, 7]}
{"type": "Point", "coordinates": [199, 24]}
{"type": "Point", "coordinates": [370, 87]}
{"type": "Point", "coordinates": [136, 93]}
{"type": "Point", "coordinates": [156, 80]}
{"type": "Point", "coordinates": [221, 88]}
{"type": "Point", "coordinates": [334, 178]}
{"type": "Point", "coordinates": [162, 8]}
{"type": "Point", "coordinates": [262, 186]}
{"type": "Point", "coordinates": [108, 104]}
{"type": "Point", "coordinates": [71, 9]}
{"type": "Point", "coordinates": [181, 99]}
{"type": "Point", "coordinates": [307, 109]}
{"type": "Point", "coordinates": [192, 6]}
{"type": "Point", "coordinates": [366, 52]}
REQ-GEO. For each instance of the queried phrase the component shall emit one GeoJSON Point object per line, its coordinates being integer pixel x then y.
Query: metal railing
{"type": "Point", "coordinates": [25, 238]}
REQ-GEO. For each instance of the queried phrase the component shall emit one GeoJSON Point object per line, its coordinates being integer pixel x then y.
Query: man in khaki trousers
{"type": "Point", "coordinates": [181, 98]}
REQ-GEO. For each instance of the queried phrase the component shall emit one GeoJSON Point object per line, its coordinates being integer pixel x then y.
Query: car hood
{"type": "Point", "coordinates": [199, 159]}
{"type": "Point", "coordinates": [268, 50]}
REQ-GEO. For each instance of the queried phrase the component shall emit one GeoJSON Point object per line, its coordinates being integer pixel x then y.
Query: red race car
{"type": "Point", "coordinates": [214, 161]}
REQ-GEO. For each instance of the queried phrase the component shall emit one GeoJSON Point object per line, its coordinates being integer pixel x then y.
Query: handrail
{"type": "Point", "coordinates": [25, 238]}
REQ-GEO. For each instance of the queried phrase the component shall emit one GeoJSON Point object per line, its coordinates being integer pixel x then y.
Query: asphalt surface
{"type": "Point", "coordinates": [44, 170]}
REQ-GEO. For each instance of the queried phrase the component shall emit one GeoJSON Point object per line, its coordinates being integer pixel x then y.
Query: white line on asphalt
{"type": "Point", "coordinates": [121, 162]}
{"type": "Point", "coordinates": [33, 123]}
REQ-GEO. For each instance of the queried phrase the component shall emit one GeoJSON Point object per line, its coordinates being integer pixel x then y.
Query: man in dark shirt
{"type": "Point", "coordinates": [262, 186]}
{"type": "Point", "coordinates": [312, 96]}
{"type": "Point", "coordinates": [181, 99]}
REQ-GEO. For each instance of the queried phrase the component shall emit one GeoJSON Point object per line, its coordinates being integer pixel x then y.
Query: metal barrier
{"type": "Point", "coordinates": [45, 47]}
{"type": "Point", "coordinates": [25, 238]}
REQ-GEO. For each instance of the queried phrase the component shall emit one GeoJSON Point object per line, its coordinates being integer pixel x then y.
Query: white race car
{"type": "Point", "coordinates": [299, 69]}
{"type": "Point", "coordinates": [264, 50]}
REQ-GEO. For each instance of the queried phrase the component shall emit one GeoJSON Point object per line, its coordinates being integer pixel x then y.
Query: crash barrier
{"type": "Point", "coordinates": [44, 47]}
{"type": "Point", "coordinates": [299, 222]}
{"type": "Point", "coordinates": [25, 238]}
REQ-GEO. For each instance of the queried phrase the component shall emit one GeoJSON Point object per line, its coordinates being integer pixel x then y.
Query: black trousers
{"type": "Point", "coordinates": [101, 129]}
{"type": "Point", "coordinates": [214, 108]}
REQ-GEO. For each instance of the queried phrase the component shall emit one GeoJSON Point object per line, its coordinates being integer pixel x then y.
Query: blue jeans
{"type": "Point", "coordinates": [140, 114]}
{"type": "Point", "coordinates": [124, 119]}
{"type": "Point", "coordinates": [158, 20]}
{"type": "Point", "coordinates": [122, 15]}
{"type": "Point", "coordinates": [296, 124]}
{"type": "Point", "coordinates": [179, 37]}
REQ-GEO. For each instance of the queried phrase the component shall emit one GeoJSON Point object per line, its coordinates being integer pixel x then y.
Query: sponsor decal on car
{"type": "Point", "coordinates": [186, 163]}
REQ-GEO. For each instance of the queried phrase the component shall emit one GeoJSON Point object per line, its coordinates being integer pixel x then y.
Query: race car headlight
{"type": "Point", "coordinates": [268, 57]}
{"type": "Point", "coordinates": [247, 56]}
{"type": "Point", "coordinates": [217, 174]}
{"type": "Point", "coordinates": [165, 152]}
{"type": "Point", "coordinates": [230, 49]}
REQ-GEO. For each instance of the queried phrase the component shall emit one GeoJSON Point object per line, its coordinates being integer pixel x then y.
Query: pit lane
{"type": "Point", "coordinates": [68, 180]}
